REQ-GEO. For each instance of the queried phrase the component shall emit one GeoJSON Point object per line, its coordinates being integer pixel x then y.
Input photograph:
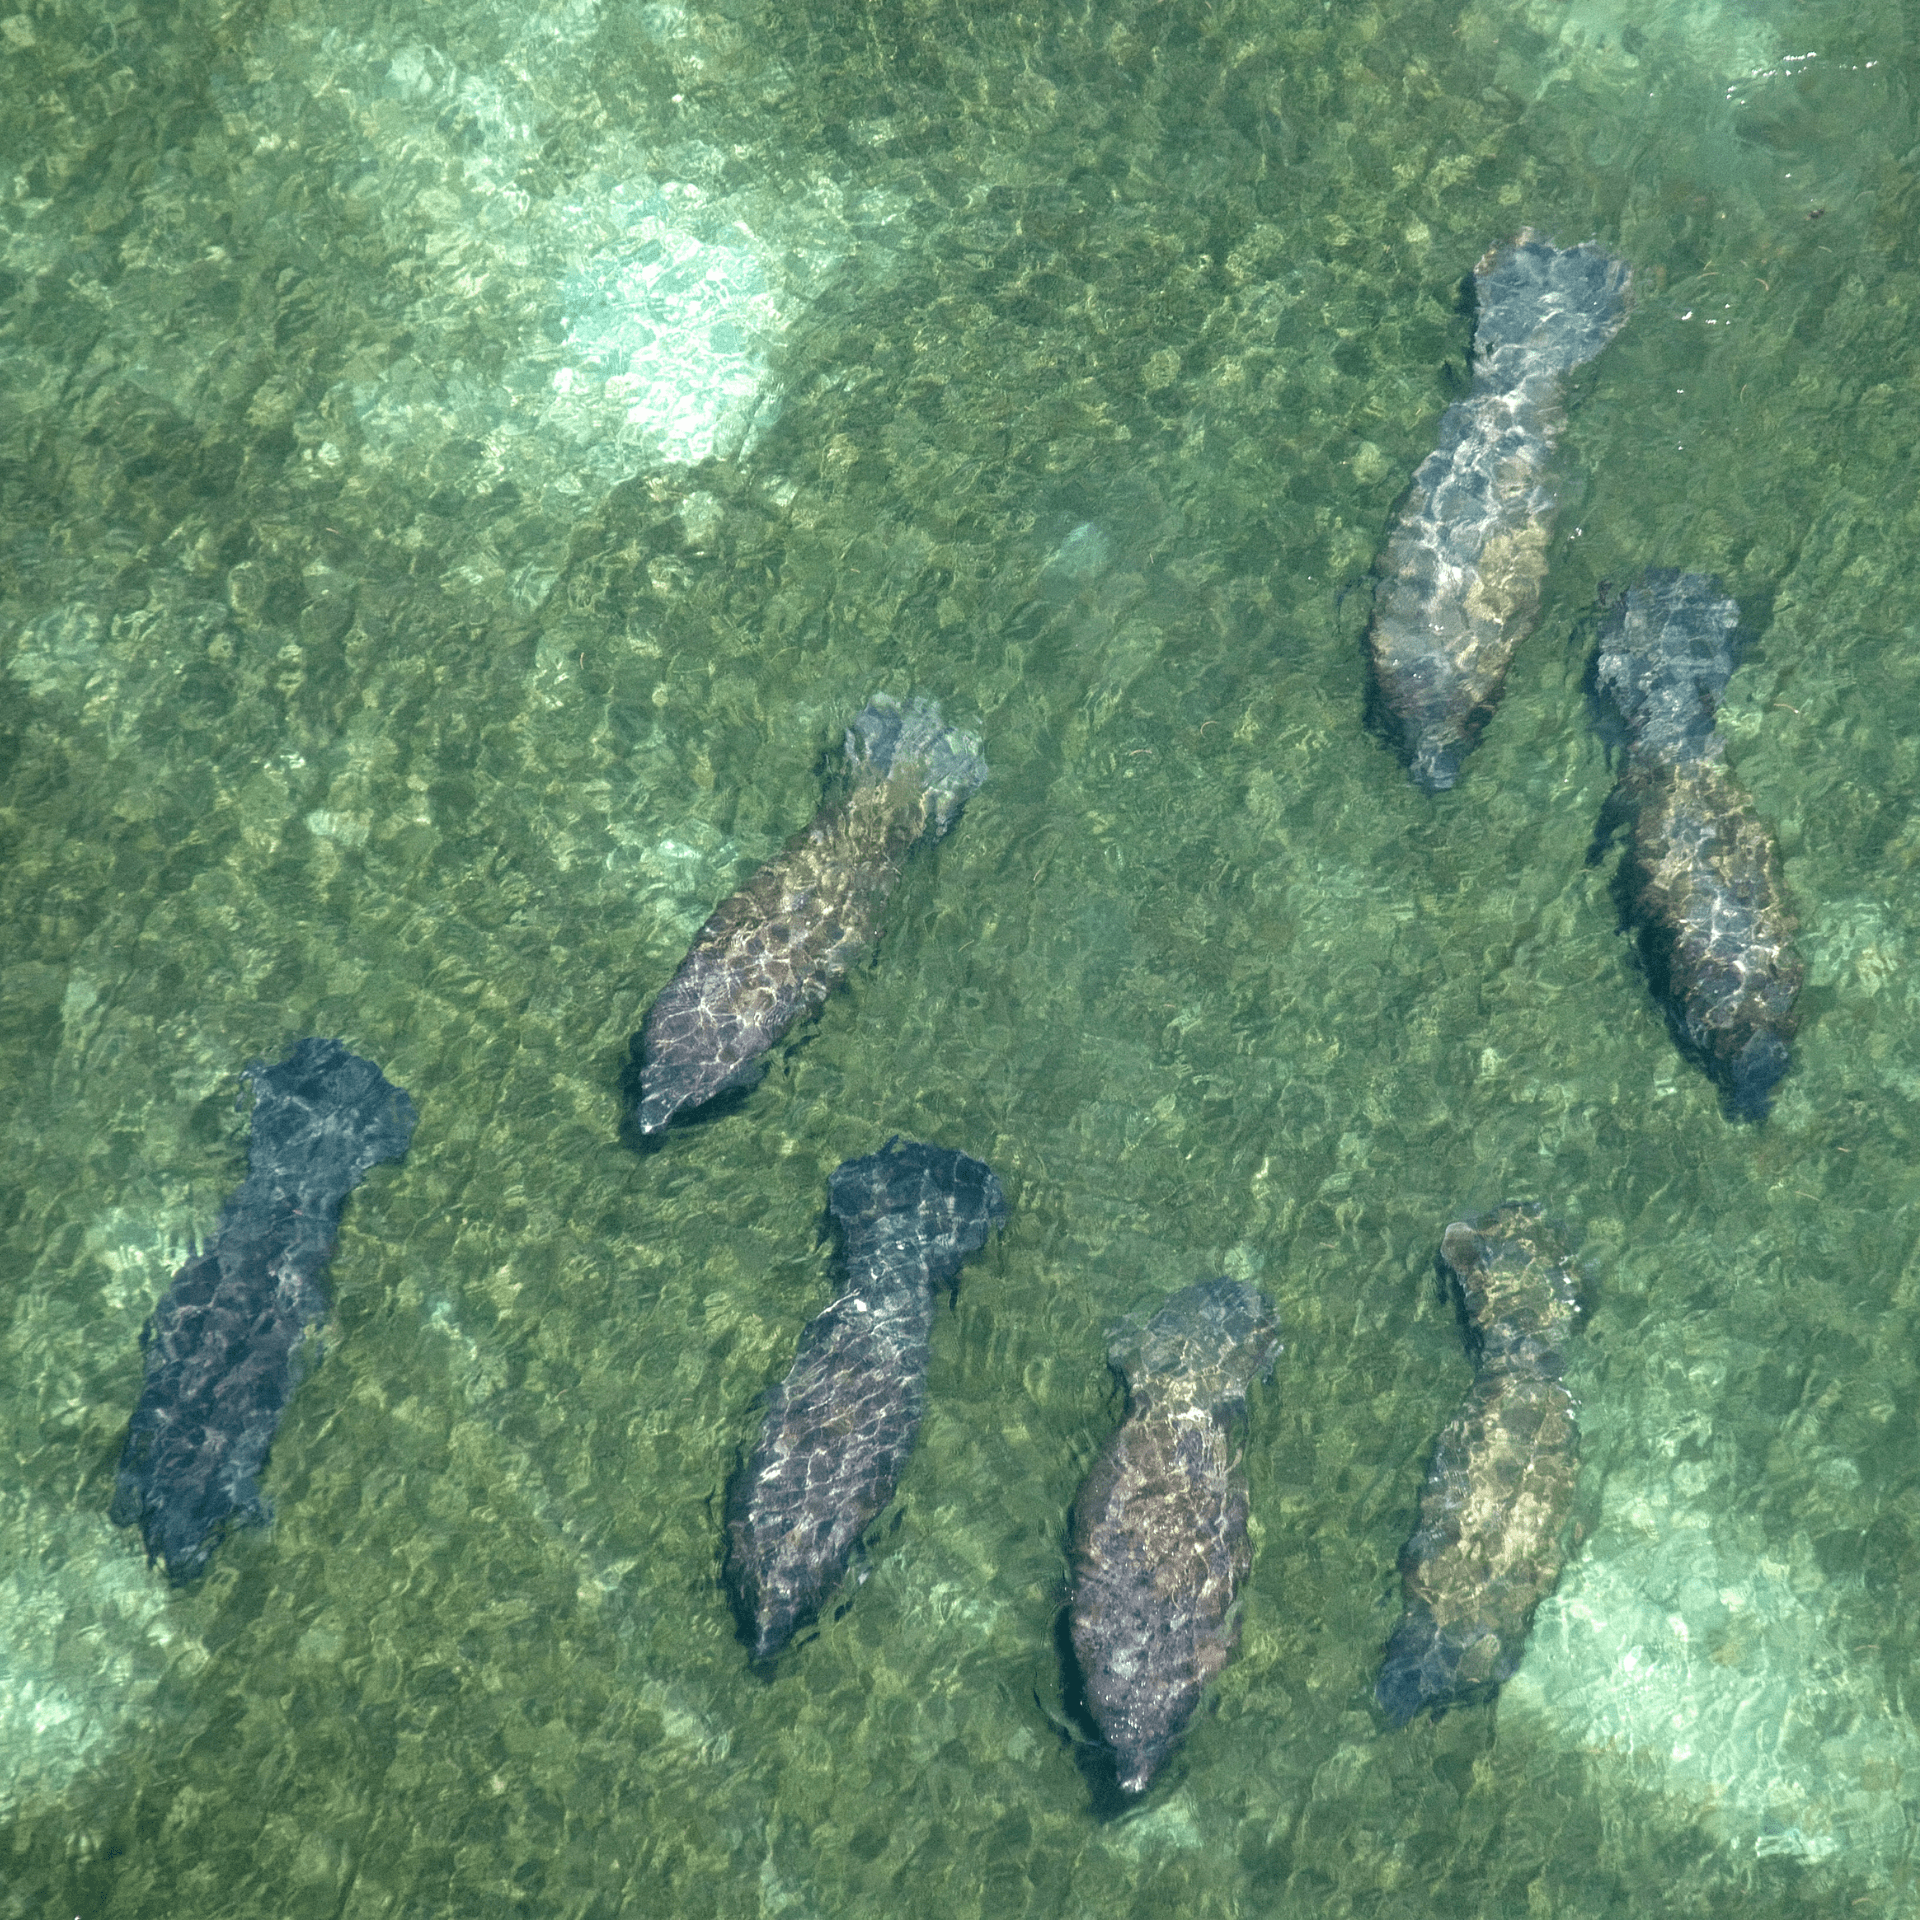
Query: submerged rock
{"type": "Point", "coordinates": [1463, 565]}
{"type": "Point", "coordinates": [772, 953]}
{"type": "Point", "coordinates": [1701, 881]}
{"type": "Point", "coordinates": [228, 1344]}
{"type": "Point", "coordinates": [1160, 1527]}
{"type": "Point", "coordinates": [1498, 1502]}
{"type": "Point", "coordinates": [840, 1427]}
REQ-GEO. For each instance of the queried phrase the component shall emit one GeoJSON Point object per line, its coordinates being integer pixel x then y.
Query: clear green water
{"type": "Point", "coordinates": [386, 657]}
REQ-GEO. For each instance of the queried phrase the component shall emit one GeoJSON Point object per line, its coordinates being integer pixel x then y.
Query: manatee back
{"type": "Point", "coordinates": [229, 1341]}
{"type": "Point", "coordinates": [840, 1428]}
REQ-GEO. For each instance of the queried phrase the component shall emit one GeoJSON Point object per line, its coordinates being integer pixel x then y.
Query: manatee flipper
{"type": "Point", "coordinates": [1463, 567]}
{"type": "Point", "coordinates": [771, 954]}
{"type": "Point", "coordinates": [840, 1427]}
{"type": "Point", "coordinates": [1498, 1501]}
{"type": "Point", "coordinates": [1701, 879]}
{"type": "Point", "coordinates": [1160, 1525]}
{"type": "Point", "coordinates": [227, 1345]}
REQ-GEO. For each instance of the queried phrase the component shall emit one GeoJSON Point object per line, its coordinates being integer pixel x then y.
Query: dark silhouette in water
{"type": "Point", "coordinates": [227, 1345]}
{"type": "Point", "coordinates": [1496, 1508]}
{"type": "Point", "coordinates": [1464, 563]}
{"type": "Point", "coordinates": [1700, 883]}
{"type": "Point", "coordinates": [1160, 1526]}
{"type": "Point", "coordinates": [772, 953]}
{"type": "Point", "coordinates": [840, 1427]}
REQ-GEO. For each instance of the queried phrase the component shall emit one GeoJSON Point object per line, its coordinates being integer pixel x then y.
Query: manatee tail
{"type": "Point", "coordinates": [1754, 1073]}
{"type": "Point", "coordinates": [888, 736]}
{"type": "Point", "coordinates": [910, 1204]}
{"type": "Point", "coordinates": [1204, 1348]}
{"type": "Point", "coordinates": [1421, 1667]}
{"type": "Point", "coordinates": [1664, 662]}
{"type": "Point", "coordinates": [1544, 309]}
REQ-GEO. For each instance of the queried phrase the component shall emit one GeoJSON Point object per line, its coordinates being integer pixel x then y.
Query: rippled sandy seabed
{"type": "Point", "coordinates": [463, 464]}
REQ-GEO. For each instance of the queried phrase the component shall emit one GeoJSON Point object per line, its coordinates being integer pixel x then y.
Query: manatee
{"type": "Point", "coordinates": [228, 1344]}
{"type": "Point", "coordinates": [1160, 1526]}
{"type": "Point", "coordinates": [1700, 884]}
{"type": "Point", "coordinates": [1496, 1509]}
{"type": "Point", "coordinates": [772, 953]}
{"type": "Point", "coordinates": [839, 1428]}
{"type": "Point", "coordinates": [1463, 566]}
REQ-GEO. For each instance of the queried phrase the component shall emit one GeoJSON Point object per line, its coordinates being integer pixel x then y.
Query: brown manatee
{"type": "Point", "coordinates": [1463, 566]}
{"type": "Point", "coordinates": [840, 1427]}
{"type": "Point", "coordinates": [1701, 883]}
{"type": "Point", "coordinates": [772, 953]}
{"type": "Point", "coordinates": [1160, 1526]}
{"type": "Point", "coordinates": [1498, 1503]}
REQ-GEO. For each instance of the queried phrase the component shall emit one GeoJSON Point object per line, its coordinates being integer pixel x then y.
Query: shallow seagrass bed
{"type": "Point", "coordinates": [463, 466]}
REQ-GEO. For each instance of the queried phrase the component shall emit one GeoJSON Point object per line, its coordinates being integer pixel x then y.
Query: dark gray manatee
{"type": "Point", "coordinates": [1464, 564]}
{"type": "Point", "coordinates": [772, 953]}
{"type": "Point", "coordinates": [1498, 1503]}
{"type": "Point", "coordinates": [1701, 881]}
{"type": "Point", "coordinates": [1160, 1527]}
{"type": "Point", "coordinates": [228, 1344]}
{"type": "Point", "coordinates": [840, 1427]}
